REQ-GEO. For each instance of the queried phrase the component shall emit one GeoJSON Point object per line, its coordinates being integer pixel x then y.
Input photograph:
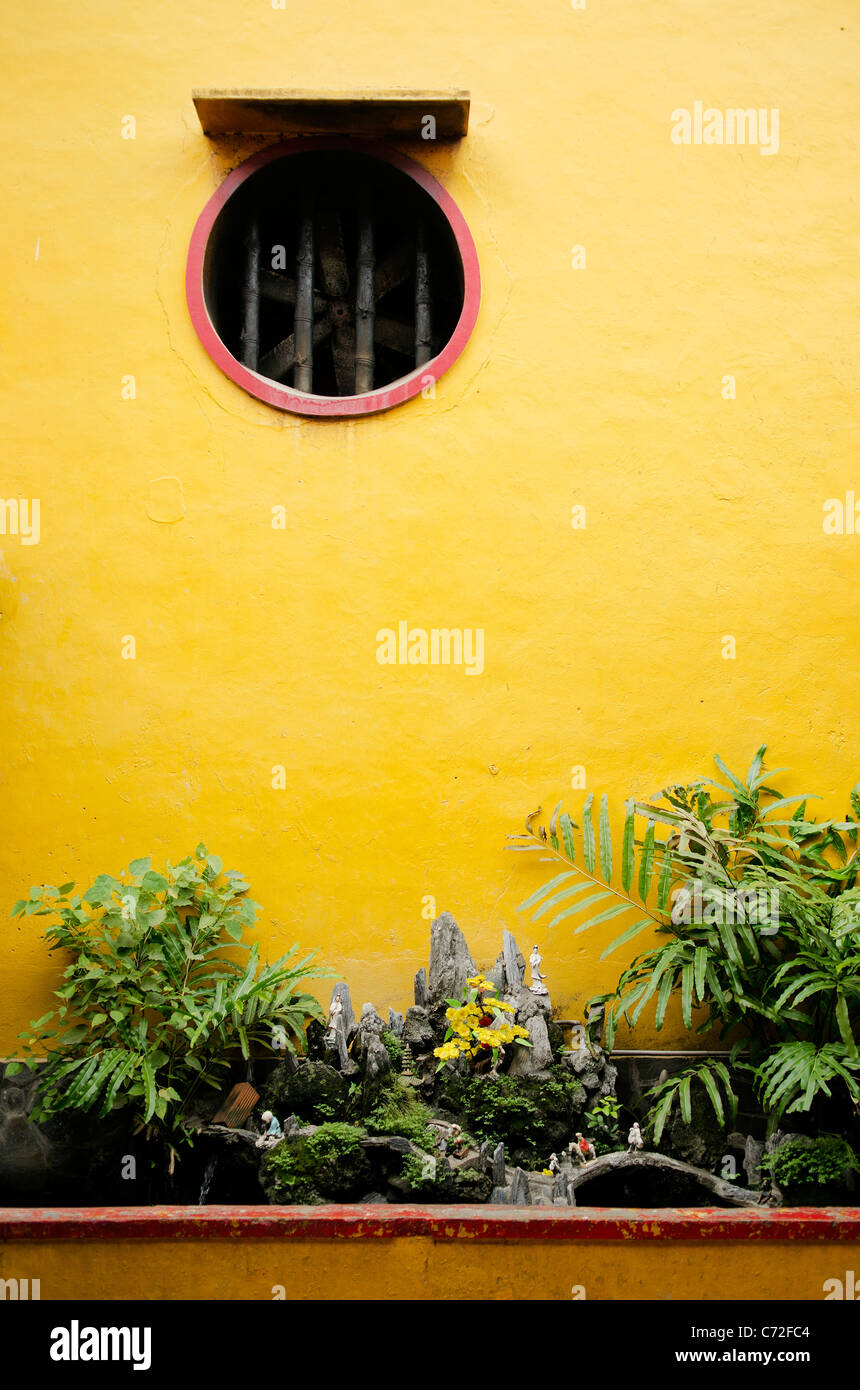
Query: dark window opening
{"type": "Point", "coordinates": [333, 272]}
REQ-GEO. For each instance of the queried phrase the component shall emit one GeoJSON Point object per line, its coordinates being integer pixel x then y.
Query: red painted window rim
{"type": "Point", "coordinates": [284, 397]}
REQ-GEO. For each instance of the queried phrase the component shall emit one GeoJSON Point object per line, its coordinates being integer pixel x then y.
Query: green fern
{"type": "Point", "coordinates": [779, 983]}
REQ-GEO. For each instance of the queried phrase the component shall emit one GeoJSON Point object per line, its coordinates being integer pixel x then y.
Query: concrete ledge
{"type": "Point", "coordinates": [427, 1253]}
{"type": "Point", "coordinates": [358, 1222]}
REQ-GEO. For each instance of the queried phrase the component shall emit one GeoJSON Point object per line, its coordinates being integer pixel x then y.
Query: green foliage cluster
{"type": "Point", "coordinates": [394, 1048]}
{"type": "Point", "coordinates": [531, 1117]}
{"type": "Point", "coordinates": [783, 984]}
{"type": "Point", "coordinates": [827, 1159]}
{"type": "Point", "coordinates": [154, 1001]}
{"type": "Point", "coordinates": [399, 1111]}
{"type": "Point", "coordinates": [458, 1185]}
{"type": "Point", "coordinates": [711, 1073]}
{"type": "Point", "coordinates": [496, 1109]}
{"type": "Point", "coordinates": [327, 1164]}
{"type": "Point", "coordinates": [603, 1126]}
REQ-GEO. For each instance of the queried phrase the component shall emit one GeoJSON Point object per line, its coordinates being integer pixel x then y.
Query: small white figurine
{"type": "Point", "coordinates": [634, 1138]}
{"type": "Point", "coordinates": [273, 1134]}
{"type": "Point", "coordinates": [335, 1011]}
{"type": "Point", "coordinates": [537, 985]}
{"type": "Point", "coordinates": [554, 1165]}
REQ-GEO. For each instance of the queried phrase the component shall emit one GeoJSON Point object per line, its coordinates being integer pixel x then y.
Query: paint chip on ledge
{"type": "Point", "coordinates": [166, 500]}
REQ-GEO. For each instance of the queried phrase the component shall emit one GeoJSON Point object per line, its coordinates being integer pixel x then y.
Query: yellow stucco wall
{"type": "Point", "coordinates": [598, 387]}
{"type": "Point", "coordinates": [413, 1267]}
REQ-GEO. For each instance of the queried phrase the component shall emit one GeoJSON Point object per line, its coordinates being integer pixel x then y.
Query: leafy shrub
{"type": "Point", "coordinates": [153, 1003]}
{"type": "Point", "coordinates": [711, 1074]}
{"type": "Point", "coordinates": [603, 1128]}
{"type": "Point", "coordinates": [771, 954]}
{"type": "Point", "coordinates": [798, 1162]}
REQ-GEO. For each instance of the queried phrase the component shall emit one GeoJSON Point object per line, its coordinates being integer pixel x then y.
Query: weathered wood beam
{"type": "Point", "coordinates": [284, 289]}
{"type": "Point", "coordinates": [303, 326]}
{"type": "Point", "coordinates": [397, 336]}
{"type": "Point", "coordinates": [335, 275]}
{"type": "Point", "coordinates": [423, 301]}
{"type": "Point", "coordinates": [365, 301]}
{"type": "Point", "coordinates": [396, 268]}
{"type": "Point", "coordinates": [282, 357]}
{"type": "Point", "coordinates": [343, 356]}
{"type": "Point", "coordinates": [382, 114]}
{"type": "Point", "coordinates": [250, 334]}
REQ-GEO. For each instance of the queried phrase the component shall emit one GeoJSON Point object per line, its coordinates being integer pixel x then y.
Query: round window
{"type": "Point", "coordinates": [332, 277]}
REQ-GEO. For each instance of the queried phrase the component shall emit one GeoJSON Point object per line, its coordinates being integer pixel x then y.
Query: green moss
{"type": "Point", "coordinates": [399, 1111]}
{"type": "Point", "coordinates": [313, 1091]}
{"type": "Point", "coordinates": [324, 1166]}
{"type": "Point", "coordinates": [531, 1117]}
{"type": "Point", "coordinates": [394, 1048]}
{"type": "Point", "coordinates": [457, 1185]}
{"type": "Point", "coordinates": [801, 1162]}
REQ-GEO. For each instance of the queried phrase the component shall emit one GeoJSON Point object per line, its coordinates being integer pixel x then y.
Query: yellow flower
{"type": "Point", "coordinates": [448, 1052]}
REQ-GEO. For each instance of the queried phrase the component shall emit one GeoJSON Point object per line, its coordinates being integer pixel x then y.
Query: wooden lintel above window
{"type": "Point", "coordinates": [401, 115]}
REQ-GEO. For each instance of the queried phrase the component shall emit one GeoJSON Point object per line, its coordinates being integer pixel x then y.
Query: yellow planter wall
{"type": "Point", "coordinates": [429, 1253]}
{"type": "Point", "coordinates": [599, 387]}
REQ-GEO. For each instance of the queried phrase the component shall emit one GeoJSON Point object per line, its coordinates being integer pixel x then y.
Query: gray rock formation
{"type": "Point", "coordinates": [541, 1189]}
{"type": "Point", "coordinates": [620, 1161]}
{"type": "Point", "coordinates": [370, 1022]}
{"type": "Point", "coordinates": [520, 1194]}
{"type": "Point", "coordinates": [417, 1031]}
{"type": "Point", "coordinates": [341, 992]}
{"type": "Point", "coordinates": [496, 975]}
{"type": "Point", "coordinates": [26, 1155]}
{"type": "Point", "coordinates": [422, 993]}
{"type": "Point", "coordinates": [450, 961]}
{"type": "Point", "coordinates": [395, 1022]}
{"type": "Point", "coordinates": [537, 1059]}
{"type": "Point", "coordinates": [499, 1166]}
{"type": "Point", "coordinates": [753, 1154]}
{"type": "Point", "coordinates": [336, 1048]}
{"type": "Point", "coordinates": [515, 965]}
{"type": "Point", "coordinates": [377, 1063]}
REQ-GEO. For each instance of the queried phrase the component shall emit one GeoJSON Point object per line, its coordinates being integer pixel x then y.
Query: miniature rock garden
{"type": "Point", "coordinates": [180, 1069]}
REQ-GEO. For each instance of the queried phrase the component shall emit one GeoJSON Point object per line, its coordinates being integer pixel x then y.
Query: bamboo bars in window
{"type": "Point", "coordinates": [423, 308]}
{"type": "Point", "coordinates": [365, 299]}
{"type": "Point", "coordinates": [304, 318]}
{"type": "Point", "coordinates": [250, 336]}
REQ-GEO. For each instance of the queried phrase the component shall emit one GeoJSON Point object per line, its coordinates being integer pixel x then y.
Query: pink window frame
{"type": "Point", "coordinates": [284, 397]}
